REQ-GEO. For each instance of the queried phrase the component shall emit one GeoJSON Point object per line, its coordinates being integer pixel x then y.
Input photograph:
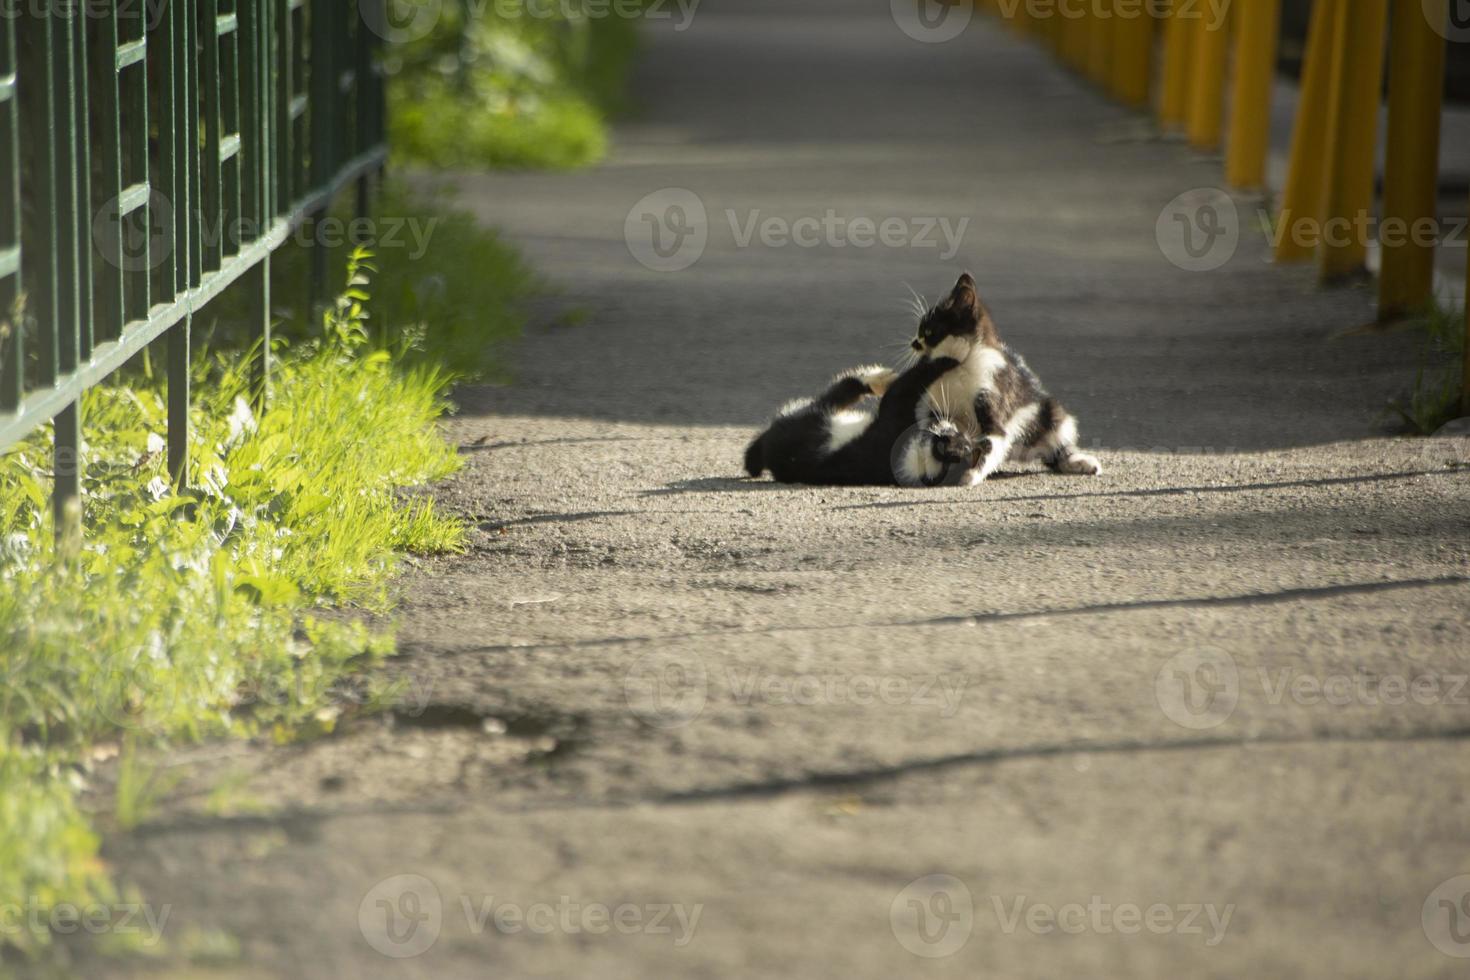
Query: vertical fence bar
{"type": "Point", "coordinates": [1357, 81]}
{"type": "Point", "coordinates": [1207, 85]}
{"type": "Point", "coordinates": [1301, 199]}
{"type": "Point", "coordinates": [107, 203]}
{"type": "Point", "coordinates": [182, 17]}
{"type": "Point", "coordinates": [212, 206]}
{"type": "Point", "coordinates": [73, 291]}
{"type": "Point", "coordinates": [12, 347]}
{"type": "Point", "coordinates": [1174, 87]}
{"type": "Point", "coordinates": [138, 178]}
{"type": "Point", "coordinates": [1133, 56]}
{"type": "Point", "coordinates": [1099, 42]}
{"type": "Point", "coordinates": [1465, 350]}
{"type": "Point", "coordinates": [1257, 36]}
{"type": "Point", "coordinates": [226, 33]}
{"type": "Point", "coordinates": [323, 83]}
{"type": "Point", "coordinates": [81, 162]}
{"type": "Point", "coordinates": [256, 121]}
{"type": "Point", "coordinates": [1411, 176]}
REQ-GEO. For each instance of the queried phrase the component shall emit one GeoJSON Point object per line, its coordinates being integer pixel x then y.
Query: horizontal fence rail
{"type": "Point", "coordinates": [151, 154]}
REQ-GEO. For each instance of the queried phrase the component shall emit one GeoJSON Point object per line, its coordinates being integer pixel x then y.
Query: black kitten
{"type": "Point", "coordinates": [839, 438]}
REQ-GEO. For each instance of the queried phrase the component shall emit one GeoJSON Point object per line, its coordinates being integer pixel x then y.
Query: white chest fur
{"type": "Point", "coordinates": [953, 396]}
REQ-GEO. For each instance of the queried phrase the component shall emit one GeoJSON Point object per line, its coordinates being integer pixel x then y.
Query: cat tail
{"type": "Point", "coordinates": [755, 456]}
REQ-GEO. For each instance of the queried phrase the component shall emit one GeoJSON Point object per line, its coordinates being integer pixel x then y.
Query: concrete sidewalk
{"type": "Point", "coordinates": [1201, 716]}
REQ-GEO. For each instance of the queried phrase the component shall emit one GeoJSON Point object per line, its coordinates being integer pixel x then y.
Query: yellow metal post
{"type": "Point", "coordinates": [1465, 358]}
{"type": "Point", "coordinates": [1099, 42]}
{"type": "Point", "coordinates": [1207, 84]}
{"type": "Point", "coordinates": [1257, 35]}
{"type": "Point", "coordinates": [1301, 200]}
{"type": "Point", "coordinates": [1133, 54]}
{"type": "Point", "coordinates": [1174, 88]}
{"type": "Point", "coordinates": [1415, 97]}
{"type": "Point", "coordinates": [1352, 135]}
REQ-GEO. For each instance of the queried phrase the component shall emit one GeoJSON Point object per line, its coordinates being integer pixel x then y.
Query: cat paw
{"type": "Point", "coordinates": [982, 450]}
{"type": "Point", "coordinates": [1080, 464]}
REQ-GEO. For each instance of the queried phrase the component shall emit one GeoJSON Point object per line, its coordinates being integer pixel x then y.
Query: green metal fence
{"type": "Point", "coordinates": [152, 152]}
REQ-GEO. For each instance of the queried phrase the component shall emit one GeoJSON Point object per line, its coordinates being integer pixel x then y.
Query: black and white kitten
{"type": "Point", "coordinates": [840, 438]}
{"type": "Point", "coordinates": [993, 396]}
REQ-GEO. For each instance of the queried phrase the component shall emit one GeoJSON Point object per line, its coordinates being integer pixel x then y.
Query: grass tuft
{"type": "Point", "coordinates": [1435, 398]}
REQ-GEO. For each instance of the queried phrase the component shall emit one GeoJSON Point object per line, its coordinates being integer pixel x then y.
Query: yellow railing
{"type": "Point", "coordinates": [1177, 57]}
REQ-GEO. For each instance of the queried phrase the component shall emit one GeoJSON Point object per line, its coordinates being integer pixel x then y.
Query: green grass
{"type": "Point", "coordinates": [483, 89]}
{"type": "Point", "coordinates": [181, 617]}
{"type": "Point", "coordinates": [1435, 398]}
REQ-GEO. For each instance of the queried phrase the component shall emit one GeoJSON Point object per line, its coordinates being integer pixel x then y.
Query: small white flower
{"type": "Point", "coordinates": [156, 443]}
{"type": "Point", "coordinates": [242, 423]}
{"type": "Point", "coordinates": [158, 488]}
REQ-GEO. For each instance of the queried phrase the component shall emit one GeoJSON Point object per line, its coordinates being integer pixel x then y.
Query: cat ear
{"type": "Point", "coordinates": [964, 299]}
